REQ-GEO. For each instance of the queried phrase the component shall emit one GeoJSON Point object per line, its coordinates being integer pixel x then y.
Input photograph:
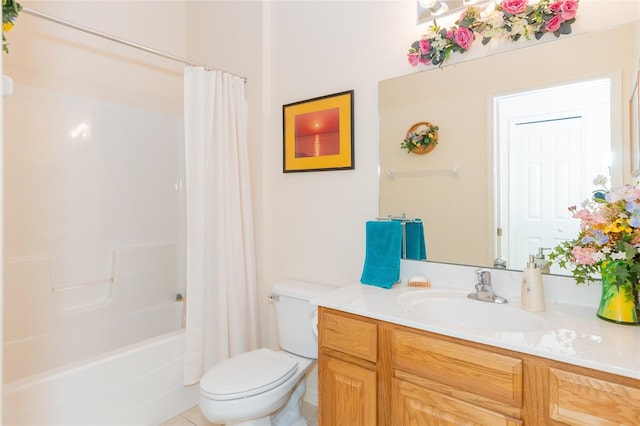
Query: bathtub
{"type": "Point", "coordinates": [106, 352]}
{"type": "Point", "coordinates": [137, 384]}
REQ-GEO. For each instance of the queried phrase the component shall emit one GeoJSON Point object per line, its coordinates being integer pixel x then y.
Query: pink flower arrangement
{"type": "Point", "coordinates": [511, 19]}
{"type": "Point", "coordinates": [609, 231]}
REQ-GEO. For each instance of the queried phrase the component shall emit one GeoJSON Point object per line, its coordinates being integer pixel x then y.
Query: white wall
{"type": "Point", "coordinates": [315, 221]}
{"type": "Point", "coordinates": [45, 54]}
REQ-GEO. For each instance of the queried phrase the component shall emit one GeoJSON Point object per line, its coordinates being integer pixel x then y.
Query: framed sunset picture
{"type": "Point", "coordinates": [318, 134]}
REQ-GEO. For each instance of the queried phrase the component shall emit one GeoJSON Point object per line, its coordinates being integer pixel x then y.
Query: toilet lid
{"type": "Point", "coordinates": [247, 374]}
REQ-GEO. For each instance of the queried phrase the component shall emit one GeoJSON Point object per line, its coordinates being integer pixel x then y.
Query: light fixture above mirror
{"type": "Point", "coordinates": [432, 9]}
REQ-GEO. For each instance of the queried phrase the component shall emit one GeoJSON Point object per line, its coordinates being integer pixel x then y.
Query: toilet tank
{"type": "Point", "coordinates": [294, 316]}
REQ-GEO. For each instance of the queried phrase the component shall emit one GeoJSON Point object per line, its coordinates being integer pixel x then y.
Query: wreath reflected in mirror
{"type": "Point", "coordinates": [421, 138]}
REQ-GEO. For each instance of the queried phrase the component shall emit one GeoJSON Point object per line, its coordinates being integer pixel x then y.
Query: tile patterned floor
{"type": "Point", "coordinates": [194, 417]}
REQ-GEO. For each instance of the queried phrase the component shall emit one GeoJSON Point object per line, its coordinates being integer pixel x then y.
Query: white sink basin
{"type": "Point", "coordinates": [441, 307]}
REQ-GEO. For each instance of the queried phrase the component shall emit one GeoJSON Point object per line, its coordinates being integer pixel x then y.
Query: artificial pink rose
{"type": "Point", "coordinates": [463, 37]}
{"type": "Point", "coordinates": [556, 7]}
{"type": "Point", "coordinates": [514, 6]}
{"type": "Point", "coordinates": [583, 255]}
{"type": "Point", "coordinates": [569, 9]}
{"type": "Point", "coordinates": [425, 45]}
{"type": "Point", "coordinates": [554, 23]}
{"type": "Point", "coordinates": [414, 58]}
{"type": "Point", "coordinates": [425, 60]}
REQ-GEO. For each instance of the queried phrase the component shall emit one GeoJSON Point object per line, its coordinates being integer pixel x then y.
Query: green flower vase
{"type": "Point", "coordinates": [619, 302]}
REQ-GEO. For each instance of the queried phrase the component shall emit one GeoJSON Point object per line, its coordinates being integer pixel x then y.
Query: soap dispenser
{"type": "Point", "coordinates": [541, 261]}
{"type": "Point", "coordinates": [532, 296]}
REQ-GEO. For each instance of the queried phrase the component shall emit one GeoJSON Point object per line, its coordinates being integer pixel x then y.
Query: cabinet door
{"type": "Point", "coordinates": [416, 406]}
{"type": "Point", "coordinates": [576, 399]}
{"type": "Point", "coordinates": [347, 394]}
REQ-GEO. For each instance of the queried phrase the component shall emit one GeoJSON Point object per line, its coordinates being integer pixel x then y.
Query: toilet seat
{"type": "Point", "coordinates": [247, 374]}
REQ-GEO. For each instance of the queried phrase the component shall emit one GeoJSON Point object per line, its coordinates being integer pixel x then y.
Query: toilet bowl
{"type": "Point", "coordinates": [265, 387]}
{"type": "Point", "coordinates": [247, 389]}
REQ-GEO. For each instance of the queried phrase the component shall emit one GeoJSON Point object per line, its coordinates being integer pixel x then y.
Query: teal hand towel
{"type": "Point", "coordinates": [415, 246]}
{"type": "Point", "coordinates": [383, 252]}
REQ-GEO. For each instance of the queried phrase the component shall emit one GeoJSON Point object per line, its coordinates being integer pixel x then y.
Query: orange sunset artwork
{"type": "Point", "coordinates": [317, 133]}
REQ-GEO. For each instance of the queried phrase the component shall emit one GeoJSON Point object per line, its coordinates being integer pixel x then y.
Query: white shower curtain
{"type": "Point", "coordinates": [221, 291]}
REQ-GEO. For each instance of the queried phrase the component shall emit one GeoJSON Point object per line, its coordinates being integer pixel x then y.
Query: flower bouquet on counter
{"type": "Point", "coordinates": [608, 245]}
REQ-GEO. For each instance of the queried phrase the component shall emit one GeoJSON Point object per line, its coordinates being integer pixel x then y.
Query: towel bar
{"type": "Point", "coordinates": [453, 172]}
{"type": "Point", "coordinates": [404, 220]}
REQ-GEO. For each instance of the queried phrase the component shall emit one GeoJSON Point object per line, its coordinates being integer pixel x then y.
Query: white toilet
{"type": "Point", "coordinates": [265, 387]}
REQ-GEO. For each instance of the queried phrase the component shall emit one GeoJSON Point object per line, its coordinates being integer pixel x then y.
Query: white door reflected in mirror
{"type": "Point", "coordinates": [550, 144]}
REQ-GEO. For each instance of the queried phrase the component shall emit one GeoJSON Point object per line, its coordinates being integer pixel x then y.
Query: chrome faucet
{"type": "Point", "coordinates": [484, 290]}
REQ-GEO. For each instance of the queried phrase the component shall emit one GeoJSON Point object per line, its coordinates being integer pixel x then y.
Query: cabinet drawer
{"type": "Point", "coordinates": [413, 405]}
{"type": "Point", "coordinates": [349, 335]}
{"type": "Point", "coordinates": [478, 371]}
{"type": "Point", "coordinates": [576, 399]}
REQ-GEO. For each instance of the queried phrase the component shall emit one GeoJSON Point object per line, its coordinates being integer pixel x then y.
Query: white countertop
{"type": "Point", "coordinates": [568, 333]}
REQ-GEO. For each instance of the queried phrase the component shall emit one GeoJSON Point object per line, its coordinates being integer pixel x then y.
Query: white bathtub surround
{"type": "Point", "coordinates": [69, 350]}
{"type": "Point", "coordinates": [137, 385]}
{"type": "Point", "coordinates": [50, 328]}
{"type": "Point", "coordinates": [80, 184]}
{"type": "Point", "coordinates": [92, 259]}
{"type": "Point", "coordinates": [570, 331]}
{"type": "Point", "coordinates": [221, 279]}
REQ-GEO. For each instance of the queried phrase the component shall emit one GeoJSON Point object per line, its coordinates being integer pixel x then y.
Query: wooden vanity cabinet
{"type": "Point", "coordinates": [376, 373]}
{"type": "Point", "coordinates": [347, 365]}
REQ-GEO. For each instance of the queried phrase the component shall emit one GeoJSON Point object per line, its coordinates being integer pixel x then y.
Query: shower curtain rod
{"type": "Point", "coordinates": [120, 40]}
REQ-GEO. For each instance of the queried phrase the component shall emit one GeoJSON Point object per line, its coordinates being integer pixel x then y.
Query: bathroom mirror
{"type": "Point", "coordinates": [452, 189]}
